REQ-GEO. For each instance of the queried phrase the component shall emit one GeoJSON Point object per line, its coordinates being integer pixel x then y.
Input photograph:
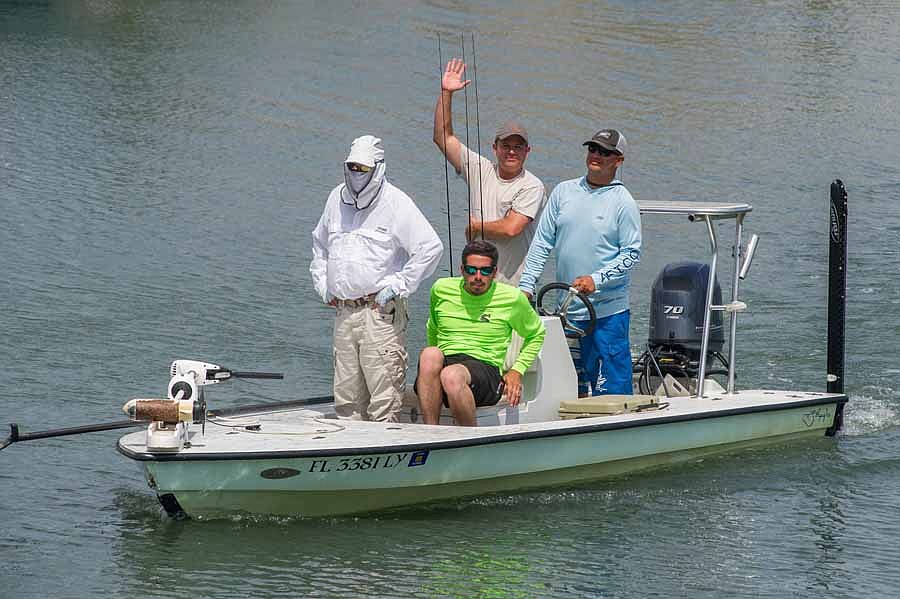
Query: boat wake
{"type": "Point", "coordinates": [874, 409]}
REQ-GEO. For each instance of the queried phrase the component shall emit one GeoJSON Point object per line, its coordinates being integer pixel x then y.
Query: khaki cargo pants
{"type": "Point", "coordinates": [370, 361]}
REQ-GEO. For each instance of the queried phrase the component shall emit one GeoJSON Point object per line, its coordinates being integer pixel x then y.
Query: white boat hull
{"type": "Point", "coordinates": [424, 463]}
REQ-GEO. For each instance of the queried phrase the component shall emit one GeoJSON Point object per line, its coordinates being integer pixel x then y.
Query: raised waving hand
{"type": "Point", "coordinates": [453, 76]}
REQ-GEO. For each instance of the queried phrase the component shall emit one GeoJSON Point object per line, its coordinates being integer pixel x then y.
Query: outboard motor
{"type": "Point", "coordinates": [677, 310]}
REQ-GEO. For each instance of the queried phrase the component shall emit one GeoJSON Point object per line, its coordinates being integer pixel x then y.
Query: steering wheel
{"type": "Point", "coordinates": [560, 303]}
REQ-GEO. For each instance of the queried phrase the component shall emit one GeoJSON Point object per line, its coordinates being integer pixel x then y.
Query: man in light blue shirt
{"type": "Point", "coordinates": [595, 226]}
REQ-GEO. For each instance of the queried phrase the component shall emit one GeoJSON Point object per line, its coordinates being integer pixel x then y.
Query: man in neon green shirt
{"type": "Point", "coordinates": [469, 328]}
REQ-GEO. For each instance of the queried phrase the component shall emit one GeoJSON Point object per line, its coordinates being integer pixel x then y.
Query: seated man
{"type": "Point", "coordinates": [469, 328]}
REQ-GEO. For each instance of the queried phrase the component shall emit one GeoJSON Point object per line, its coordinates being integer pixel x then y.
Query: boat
{"type": "Point", "coordinates": [296, 458]}
{"type": "Point", "coordinates": [297, 461]}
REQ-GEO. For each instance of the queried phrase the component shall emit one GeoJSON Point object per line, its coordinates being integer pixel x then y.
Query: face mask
{"type": "Point", "coordinates": [358, 181]}
{"type": "Point", "coordinates": [363, 188]}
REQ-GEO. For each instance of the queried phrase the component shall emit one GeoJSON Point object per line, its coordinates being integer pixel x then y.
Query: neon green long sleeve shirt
{"type": "Point", "coordinates": [481, 325]}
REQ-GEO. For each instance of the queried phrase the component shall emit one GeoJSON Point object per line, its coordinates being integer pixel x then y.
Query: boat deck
{"type": "Point", "coordinates": [309, 431]}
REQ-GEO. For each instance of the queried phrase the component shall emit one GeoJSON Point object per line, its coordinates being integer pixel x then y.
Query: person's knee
{"type": "Point", "coordinates": [431, 361]}
{"type": "Point", "coordinates": [453, 379]}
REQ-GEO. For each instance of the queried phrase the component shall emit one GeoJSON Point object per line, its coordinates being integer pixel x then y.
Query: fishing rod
{"type": "Point", "coordinates": [478, 135]}
{"type": "Point", "coordinates": [462, 46]}
{"type": "Point", "coordinates": [443, 107]}
{"type": "Point", "coordinates": [444, 131]}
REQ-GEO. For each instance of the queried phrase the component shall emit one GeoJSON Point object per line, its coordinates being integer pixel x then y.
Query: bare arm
{"type": "Point", "coordinates": [443, 135]}
{"type": "Point", "coordinates": [505, 228]}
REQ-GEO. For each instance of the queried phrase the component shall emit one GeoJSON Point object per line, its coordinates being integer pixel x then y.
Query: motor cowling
{"type": "Point", "coordinates": [677, 309]}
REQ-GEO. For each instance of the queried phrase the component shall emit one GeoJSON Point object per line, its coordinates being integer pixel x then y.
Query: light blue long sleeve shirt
{"type": "Point", "coordinates": [596, 232]}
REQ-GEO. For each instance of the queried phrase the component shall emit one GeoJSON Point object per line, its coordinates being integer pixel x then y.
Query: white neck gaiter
{"type": "Point", "coordinates": [362, 188]}
{"type": "Point", "coordinates": [358, 181]}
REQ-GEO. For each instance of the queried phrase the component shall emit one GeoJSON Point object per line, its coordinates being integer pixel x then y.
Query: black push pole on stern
{"type": "Point", "coordinates": [837, 295]}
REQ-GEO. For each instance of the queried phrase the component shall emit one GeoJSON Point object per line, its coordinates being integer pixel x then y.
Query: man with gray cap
{"type": "Point", "coordinates": [504, 198]}
{"type": "Point", "coordinates": [372, 248]}
{"type": "Point", "coordinates": [595, 226]}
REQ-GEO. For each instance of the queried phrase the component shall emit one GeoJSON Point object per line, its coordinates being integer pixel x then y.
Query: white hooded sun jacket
{"type": "Point", "coordinates": [372, 239]}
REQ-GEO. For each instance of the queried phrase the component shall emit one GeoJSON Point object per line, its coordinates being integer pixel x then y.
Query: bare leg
{"type": "Point", "coordinates": [431, 362]}
{"type": "Point", "coordinates": [456, 379]}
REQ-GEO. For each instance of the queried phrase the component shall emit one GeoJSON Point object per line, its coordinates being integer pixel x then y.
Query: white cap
{"type": "Point", "coordinates": [366, 150]}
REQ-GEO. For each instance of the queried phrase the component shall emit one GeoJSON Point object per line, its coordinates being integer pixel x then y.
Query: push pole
{"type": "Point", "coordinates": [837, 295]}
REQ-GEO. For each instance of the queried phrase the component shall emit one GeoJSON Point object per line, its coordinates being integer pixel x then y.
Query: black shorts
{"type": "Point", "coordinates": [485, 383]}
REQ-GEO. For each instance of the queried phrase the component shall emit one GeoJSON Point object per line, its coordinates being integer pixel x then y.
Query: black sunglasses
{"type": "Point", "coordinates": [486, 271]}
{"type": "Point", "coordinates": [595, 149]}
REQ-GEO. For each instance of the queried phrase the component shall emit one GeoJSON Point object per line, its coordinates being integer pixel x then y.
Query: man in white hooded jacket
{"type": "Point", "coordinates": [372, 248]}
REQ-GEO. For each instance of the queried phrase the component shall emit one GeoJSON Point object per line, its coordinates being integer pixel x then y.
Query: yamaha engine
{"type": "Point", "coordinates": [677, 308]}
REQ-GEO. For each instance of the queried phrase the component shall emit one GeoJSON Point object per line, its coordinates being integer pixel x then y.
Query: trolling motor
{"type": "Point", "coordinates": [186, 404]}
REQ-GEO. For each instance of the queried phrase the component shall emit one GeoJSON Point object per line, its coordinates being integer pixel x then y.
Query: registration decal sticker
{"type": "Point", "coordinates": [418, 458]}
{"type": "Point", "coordinates": [359, 463]}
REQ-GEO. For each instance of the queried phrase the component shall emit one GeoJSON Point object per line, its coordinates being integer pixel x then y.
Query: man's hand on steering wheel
{"type": "Point", "coordinates": [584, 284]}
{"type": "Point", "coordinates": [559, 305]}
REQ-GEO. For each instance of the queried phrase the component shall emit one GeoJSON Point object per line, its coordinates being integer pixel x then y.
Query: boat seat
{"type": "Point", "coordinates": [549, 380]}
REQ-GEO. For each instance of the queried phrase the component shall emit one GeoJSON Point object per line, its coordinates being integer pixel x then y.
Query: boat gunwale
{"type": "Point", "coordinates": [143, 456]}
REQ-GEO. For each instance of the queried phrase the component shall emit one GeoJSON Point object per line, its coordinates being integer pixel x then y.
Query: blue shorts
{"type": "Point", "coordinates": [603, 359]}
